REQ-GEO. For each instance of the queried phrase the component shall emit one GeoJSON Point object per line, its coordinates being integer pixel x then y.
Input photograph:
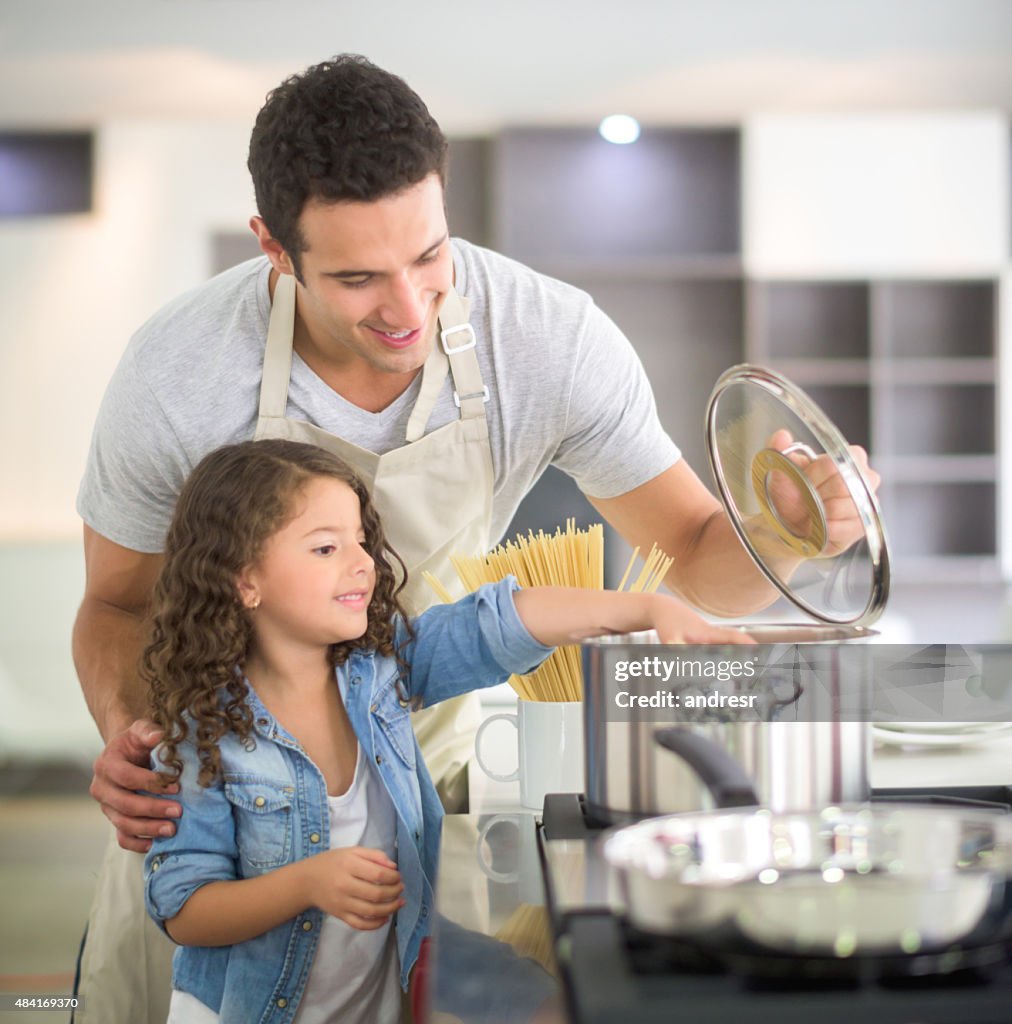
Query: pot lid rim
{"type": "Point", "coordinates": [835, 445]}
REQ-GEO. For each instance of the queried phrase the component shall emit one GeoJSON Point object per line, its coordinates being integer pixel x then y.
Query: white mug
{"type": "Point", "coordinates": [549, 749]}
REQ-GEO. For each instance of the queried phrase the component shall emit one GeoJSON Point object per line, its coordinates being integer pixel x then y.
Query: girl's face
{"type": "Point", "coordinates": [314, 579]}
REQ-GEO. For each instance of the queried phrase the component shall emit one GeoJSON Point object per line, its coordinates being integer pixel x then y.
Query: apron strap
{"type": "Point", "coordinates": [454, 345]}
{"type": "Point", "coordinates": [277, 370]}
{"type": "Point", "coordinates": [457, 340]}
{"type": "Point", "coordinates": [433, 375]}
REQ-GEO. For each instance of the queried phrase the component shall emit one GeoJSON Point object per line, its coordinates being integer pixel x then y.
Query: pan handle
{"type": "Point", "coordinates": [717, 770]}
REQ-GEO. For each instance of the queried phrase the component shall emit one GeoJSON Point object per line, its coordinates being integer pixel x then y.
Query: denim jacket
{"type": "Point", "coordinates": [269, 806]}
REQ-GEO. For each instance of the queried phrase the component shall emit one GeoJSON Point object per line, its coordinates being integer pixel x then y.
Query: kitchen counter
{"type": "Point", "coordinates": [492, 961]}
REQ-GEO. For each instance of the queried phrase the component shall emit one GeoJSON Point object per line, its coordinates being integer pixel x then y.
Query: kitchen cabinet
{"type": "Point", "coordinates": [863, 257]}
{"type": "Point", "coordinates": [837, 195]}
{"type": "Point", "coordinates": [566, 201]}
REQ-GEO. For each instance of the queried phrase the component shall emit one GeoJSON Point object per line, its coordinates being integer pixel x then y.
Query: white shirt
{"type": "Point", "coordinates": [354, 977]}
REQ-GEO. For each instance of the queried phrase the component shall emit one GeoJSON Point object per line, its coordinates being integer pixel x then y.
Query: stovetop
{"type": "Point", "coordinates": [613, 974]}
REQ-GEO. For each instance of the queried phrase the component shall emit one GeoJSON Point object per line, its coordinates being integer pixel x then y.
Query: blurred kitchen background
{"type": "Point", "coordinates": [821, 188]}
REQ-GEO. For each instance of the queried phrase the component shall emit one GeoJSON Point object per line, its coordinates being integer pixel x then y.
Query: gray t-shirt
{"type": "Point", "coordinates": [565, 386]}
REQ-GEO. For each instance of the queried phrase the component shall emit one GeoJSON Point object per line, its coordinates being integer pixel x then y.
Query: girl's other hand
{"type": "Point", "coordinates": [360, 886]}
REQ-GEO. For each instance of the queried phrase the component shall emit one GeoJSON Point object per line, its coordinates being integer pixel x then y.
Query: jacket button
{"type": "Point", "coordinates": [307, 926]}
{"type": "Point", "coordinates": [355, 680]}
{"type": "Point", "coordinates": [315, 837]}
{"type": "Point", "coordinates": [260, 801]}
{"type": "Point", "coordinates": [379, 759]}
{"type": "Point", "coordinates": [155, 865]}
{"type": "Point", "coordinates": [282, 1003]}
{"type": "Point", "coordinates": [261, 721]}
{"type": "Point", "coordinates": [374, 708]}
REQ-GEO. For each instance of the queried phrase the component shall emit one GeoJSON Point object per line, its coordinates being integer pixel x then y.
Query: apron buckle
{"type": "Point", "coordinates": [470, 340]}
{"type": "Point", "coordinates": [483, 395]}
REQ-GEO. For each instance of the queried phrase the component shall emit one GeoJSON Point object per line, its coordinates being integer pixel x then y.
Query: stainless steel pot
{"type": "Point", "coordinates": [926, 889]}
{"type": "Point", "coordinates": [794, 764]}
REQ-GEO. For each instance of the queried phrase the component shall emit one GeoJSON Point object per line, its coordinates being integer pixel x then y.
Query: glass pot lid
{"type": "Point", "coordinates": [779, 464]}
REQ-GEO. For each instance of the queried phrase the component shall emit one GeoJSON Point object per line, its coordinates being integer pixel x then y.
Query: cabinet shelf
{"type": "Point", "coordinates": [931, 319]}
{"type": "Point", "coordinates": [947, 569]}
{"type": "Point", "coordinates": [848, 407]}
{"type": "Point", "coordinates": [937, 371]}
{"type": "Point", "coordinates": [938, 468]}
{"type": "Point", "coordinates": [940, 419]}
{"type": "Point", "coordinates": [813, 319]}
{"type": "Point", "coordinates": [825, 372]}
{"type": "Point", "coordinates": [934, 519]}
{"type": "Point", "coordinates": [659, 268]}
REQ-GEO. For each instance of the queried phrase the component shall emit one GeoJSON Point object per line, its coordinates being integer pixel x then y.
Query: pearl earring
{"type": "Point", "coordinates": [256, 604]}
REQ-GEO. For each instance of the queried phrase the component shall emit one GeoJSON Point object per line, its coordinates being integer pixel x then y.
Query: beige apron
{"type": "Point", "coordinates": [434, 494]}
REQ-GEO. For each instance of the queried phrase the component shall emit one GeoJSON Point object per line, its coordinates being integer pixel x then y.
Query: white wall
{"type": "Point", "coordinates": [73, 289]}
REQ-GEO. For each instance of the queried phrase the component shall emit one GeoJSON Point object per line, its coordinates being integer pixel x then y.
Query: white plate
{"type": "Point", "coordinates": [893, 738]}
{"type": "Point", "coordinates": [944, 727]}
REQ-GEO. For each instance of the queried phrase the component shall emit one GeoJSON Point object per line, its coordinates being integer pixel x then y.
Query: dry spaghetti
{"type": "Point", "coordinates": [574, 558]}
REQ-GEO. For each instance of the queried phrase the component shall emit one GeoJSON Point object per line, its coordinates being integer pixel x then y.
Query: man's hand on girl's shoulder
{"type": "Point", "coordinates": [120, 772]}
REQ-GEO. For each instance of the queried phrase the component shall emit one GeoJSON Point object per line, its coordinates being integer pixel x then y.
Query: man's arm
{"type": "Point", "coordinates": [711, 569]}
{"type": "Point", "coordinates": [110, 632]}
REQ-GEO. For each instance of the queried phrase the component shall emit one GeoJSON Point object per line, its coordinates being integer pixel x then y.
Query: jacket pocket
{"type": "Point", "coordinates": [263, 819]}
{"type": "Point", "coordinates": [395, 726]}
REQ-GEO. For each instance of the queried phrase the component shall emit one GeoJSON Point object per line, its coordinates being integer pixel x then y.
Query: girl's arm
{"type": "Point", "coordinates": [224, 913]}
{"type": "Point", "coordinates": [567, 615]}
{"type": "Point", "coordinates": [359, 885]}
{"type": "Point", "coordinates": [481, 639]}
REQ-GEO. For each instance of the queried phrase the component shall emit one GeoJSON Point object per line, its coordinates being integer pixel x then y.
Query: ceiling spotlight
{"type": "Point", "coordinates": [620, 129]}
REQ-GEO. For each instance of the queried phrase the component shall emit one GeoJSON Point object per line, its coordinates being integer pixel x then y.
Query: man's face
{"type": "Point", "coordinates": [374, 276]}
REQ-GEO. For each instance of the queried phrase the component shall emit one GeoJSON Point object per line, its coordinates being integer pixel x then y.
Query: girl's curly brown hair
{"type": "Point", "coordinates": [235, 499]}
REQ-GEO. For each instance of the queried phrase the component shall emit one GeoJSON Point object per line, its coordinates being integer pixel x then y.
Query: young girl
{"type": "Point", "coordinates": [281, 671]}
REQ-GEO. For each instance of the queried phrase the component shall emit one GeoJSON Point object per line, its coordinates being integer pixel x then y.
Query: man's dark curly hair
{"type": "Point", "coordinates": [342, 130]}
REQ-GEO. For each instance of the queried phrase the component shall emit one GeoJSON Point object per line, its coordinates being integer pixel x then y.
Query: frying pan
{"type": "Point", "coordinates": [890, 888]}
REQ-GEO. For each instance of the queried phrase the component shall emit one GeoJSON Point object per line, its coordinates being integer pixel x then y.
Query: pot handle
{"type": "Point", "coordinates": [718, 771]}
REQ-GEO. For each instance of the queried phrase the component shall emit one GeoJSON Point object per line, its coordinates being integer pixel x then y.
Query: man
{"type": "Point", "coordinates": [447, 375]}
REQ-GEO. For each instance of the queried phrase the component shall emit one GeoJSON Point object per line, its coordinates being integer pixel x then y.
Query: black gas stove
{"type": "Point", "coordinates": [613, 973]}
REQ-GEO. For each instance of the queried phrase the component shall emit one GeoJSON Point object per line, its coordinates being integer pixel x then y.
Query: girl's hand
{"type": "Point", "coordinates": [360, 886]}
{"type": "Point", "coordinates": [677, 623]}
